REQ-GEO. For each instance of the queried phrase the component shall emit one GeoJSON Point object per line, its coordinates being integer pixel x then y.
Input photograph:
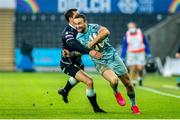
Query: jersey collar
{"type": "Point", "coordinates": [72, 26]}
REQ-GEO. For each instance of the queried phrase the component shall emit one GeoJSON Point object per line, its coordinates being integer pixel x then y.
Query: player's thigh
{"type": "Point", "coordinates": [70, 69]}
{"type": "Point", "coordinates": [131, 59]}
{"type": "Point", "coordinates": [110, 76]}
{"type": "Point", "coordinates": [132, 68]}
{"type": "Point", "coordinates": [83, 77]}
{"type": "Point", "coordinates": [141, 59]}
{"type": "Point", "coordinates": [76, 72]}
{"type": "Point", "coordinates": [101, 68]}
{"type": "Point", "coordinates": [140, 67]}
{"type": "Point", "coordinates": [117, 65]}
{"type": "Point", "coordinates": [107, 73]}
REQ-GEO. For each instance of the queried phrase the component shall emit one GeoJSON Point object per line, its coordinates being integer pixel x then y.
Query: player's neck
{"type": "Point", "coordinates": [86, 29]}
{"type": "Point", "coordinates": [70, 24]}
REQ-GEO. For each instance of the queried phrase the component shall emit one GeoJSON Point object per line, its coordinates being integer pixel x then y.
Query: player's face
{"type": "Point", "coordinates": [71, 19]}
{"type": "Point", "coordinates": [132, 27]}
{"type": "Point", "coordinates": [80, 25]}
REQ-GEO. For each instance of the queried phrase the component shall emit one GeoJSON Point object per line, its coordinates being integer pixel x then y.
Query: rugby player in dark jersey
{"type": "Point", "coordinates": [71, 62]}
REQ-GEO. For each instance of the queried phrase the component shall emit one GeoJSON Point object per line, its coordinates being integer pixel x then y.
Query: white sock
{"type": "Point", "coordinates": [90, 92]}
{"type": "Point", "coordinates": [134, 81]}
{"type": "Point", "coordinates": [72, 81]}
{"type": "Point", "coordinates": [139, 78]}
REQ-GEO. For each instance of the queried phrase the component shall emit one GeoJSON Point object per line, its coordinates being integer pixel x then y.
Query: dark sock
{"type": "Point", "coordinates": [141, 73]}
{"type": "Point", "coordinates": [93, 102]}
{"type": "Point", "coordinates": [68, 87]}
{"type": "Point", "coordinates": [114, 87]}
{"type": "Point", "coordinates": [132, 97]}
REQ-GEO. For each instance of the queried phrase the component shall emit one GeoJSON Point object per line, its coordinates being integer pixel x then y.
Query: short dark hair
{"type": "Point", "coordinates": [81, 16]}
{"type": "Point", "coordinates": [69, 13]}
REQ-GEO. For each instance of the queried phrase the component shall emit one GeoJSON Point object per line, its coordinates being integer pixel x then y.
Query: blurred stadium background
{"type": "Point", "coordinates": [40, 23]}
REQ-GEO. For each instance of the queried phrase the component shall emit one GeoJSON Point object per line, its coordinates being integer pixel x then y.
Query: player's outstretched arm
{"type": "Point", "coordinates": [77, 46]}
{"type": "Point", "coordinates": [92, 53]}
{"type": "Point", "coordinates": [67, 53]}
{"type": "Point", "coordinates": [103, 33]}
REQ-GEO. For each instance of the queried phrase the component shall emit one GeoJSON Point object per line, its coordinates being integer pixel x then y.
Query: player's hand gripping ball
{"type": "Point", "coordinates": [98, 46]}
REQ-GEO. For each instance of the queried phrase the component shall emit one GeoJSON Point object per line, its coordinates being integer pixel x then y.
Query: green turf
{"type": "Point", "coordinates": [19, 91]}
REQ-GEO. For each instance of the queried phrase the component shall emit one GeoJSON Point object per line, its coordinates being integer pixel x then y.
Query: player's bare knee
{"type": "Point", "coordinates": [114, 81]}
{"type": "Point", "coordinates": [89, 83]}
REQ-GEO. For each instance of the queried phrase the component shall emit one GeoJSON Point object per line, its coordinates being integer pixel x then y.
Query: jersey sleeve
{"type": "Point", "coordinates": [147, 48]}
{"type": "Point", "coordinates": [124, 47]}
{"type": "Point", "coordinates": [69, 36]}
{"type": "Point", "coordinates": [95, 27]}
{"type": "Point", "coordinates": [74, 44]}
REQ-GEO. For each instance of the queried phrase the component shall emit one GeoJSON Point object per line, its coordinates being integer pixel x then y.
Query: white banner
{"type": "Point", "coordinates": [86, 6]}
{"type": "Point", "coordinates": [171, 67]}
{"type": "Point", "coordinates": [8, 4]}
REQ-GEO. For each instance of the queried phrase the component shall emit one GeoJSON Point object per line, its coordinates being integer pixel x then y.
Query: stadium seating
{"type": "Point", "coordinates": [44, 30]}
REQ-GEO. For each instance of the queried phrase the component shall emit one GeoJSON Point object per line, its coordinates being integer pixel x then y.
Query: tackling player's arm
{"type": "Point", "coordinates": [67, 53]}
{"type": "Point", "coordinates": [102, 34]}
{"type": "Point", "coordinates": [75, 53]}
{"type": "Point", "coordinates": [77, 46]}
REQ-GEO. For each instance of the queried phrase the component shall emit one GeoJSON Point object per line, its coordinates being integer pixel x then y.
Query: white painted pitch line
{"type": "Point", "coordinates": [170, 87]}
{"type": "Point", "coordinates": [159, 92]}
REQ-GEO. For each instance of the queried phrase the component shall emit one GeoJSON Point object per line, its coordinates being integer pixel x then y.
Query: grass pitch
{"type": "Point", "coordinates": [34, 95]}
